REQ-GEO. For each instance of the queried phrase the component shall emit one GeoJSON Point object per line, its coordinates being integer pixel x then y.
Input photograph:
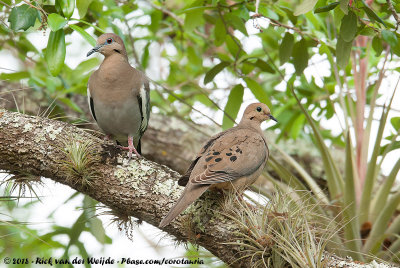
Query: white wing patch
{"type": "Point", "coordinates": [90, 103]}
{"type": "Point", "coordinates": [144, 96]}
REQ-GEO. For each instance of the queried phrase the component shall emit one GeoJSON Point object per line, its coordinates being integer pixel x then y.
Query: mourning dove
{"type": "Point", "coordinates": [232, 159]}
{"type": "Point", "coordinates": [118, 94]}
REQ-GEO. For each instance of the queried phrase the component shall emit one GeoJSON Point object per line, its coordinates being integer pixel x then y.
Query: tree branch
{"type": "Point", "coordinates": [139, 188]}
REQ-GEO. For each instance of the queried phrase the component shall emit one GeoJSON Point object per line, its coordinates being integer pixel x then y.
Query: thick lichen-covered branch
{"type": "Point", "coordinates": [139, 188]}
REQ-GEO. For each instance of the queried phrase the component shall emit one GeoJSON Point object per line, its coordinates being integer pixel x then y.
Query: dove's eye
{"type": "Point", "coordinates": [259, 109]}
{"type": "Point", "coordinates": [109, 40]}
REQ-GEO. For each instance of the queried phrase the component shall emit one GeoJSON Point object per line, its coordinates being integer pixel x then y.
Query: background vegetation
{"type": "Point", "coordinates": [328, 71]}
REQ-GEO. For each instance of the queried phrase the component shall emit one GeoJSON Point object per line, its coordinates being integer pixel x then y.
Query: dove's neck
{"type": "Point", "coordinates": [252, 124]}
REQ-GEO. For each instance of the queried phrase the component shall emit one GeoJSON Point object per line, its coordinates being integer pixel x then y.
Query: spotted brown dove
{"type": "Point", "coordinates": [118, 94]}
{"type": "Point", "coordinates": [232, 159]}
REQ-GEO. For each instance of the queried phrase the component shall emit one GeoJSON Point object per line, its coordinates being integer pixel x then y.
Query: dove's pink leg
{"type": "Point", "coordinates": [130, 147]}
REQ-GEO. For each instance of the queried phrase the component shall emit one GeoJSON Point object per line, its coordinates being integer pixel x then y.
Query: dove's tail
{"type": "Point", "coordinates": [189, 195]}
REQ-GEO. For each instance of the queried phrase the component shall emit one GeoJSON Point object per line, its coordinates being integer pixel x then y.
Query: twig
{"type": "Point", "coordinates": [169, 91]}
{"type": "Point", "coordinates": [394, 13]}
{"type": "Point", "coordinates": [135, 55]}
{"type": "Point", "coordinates": [176, 18]}
{"type": "Point", "coordinates": [234, 40]}
{"type": "Point", "coordinates": [37, 8]}
{"type": "Point", "coordinates": [297, 30]}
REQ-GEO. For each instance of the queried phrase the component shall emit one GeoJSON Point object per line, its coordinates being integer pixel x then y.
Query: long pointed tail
{"type": "Point", "coordinates": [189, 195]}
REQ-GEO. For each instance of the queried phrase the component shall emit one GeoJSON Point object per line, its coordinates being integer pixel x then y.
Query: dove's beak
{"type": "Point", "coordinates": [95, 49]}
{"type": "Point", "coordinates": [273, 118]}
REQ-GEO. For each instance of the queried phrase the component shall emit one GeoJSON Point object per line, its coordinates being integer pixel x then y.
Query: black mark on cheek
{"type": "Point", "coordinates": [233, 158]}
{"type": "Point", "coordinates": [208, 158]}
{"type": "Point", "coordinates": [218, 159]}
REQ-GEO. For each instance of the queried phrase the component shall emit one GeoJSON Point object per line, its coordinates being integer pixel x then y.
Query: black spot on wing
{"type": "Point", "coordinates": [208, 158]}
{"type": "Point", "coordinates": [233, 158]}
{"type": "Point", "coordinates": [218, 159]}
{"type": "Point", "coordinates": [228, 154]}
{"type": "Point", "coordinates": [216, 153]}
{"type": "Point", "coordinates": [92, 107]}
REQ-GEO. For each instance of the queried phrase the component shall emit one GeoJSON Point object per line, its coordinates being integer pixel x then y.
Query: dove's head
{"type": "Point", "coordinates": [108, 44]}
{"type": "Point", "coordinates": [257, 112]}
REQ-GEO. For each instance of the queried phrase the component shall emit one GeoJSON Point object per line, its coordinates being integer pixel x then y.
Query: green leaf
{"type": "Point", "coordinates": [383, 192]}
{"type": "Point", "coordinates": [304, 7]}
{"type": "Point", "coordinates": [89, 24]}
{"type": "Point", "coordinates": [145, 56]}
{"type": "Point", "coordinates": [22, 17]}
{"type": "Point", "coordinates": [84, 67]}
{"type": "Point", "coordinates": [56, 22]}
{"type": "Point", "coordinates": [300, 56]}
{"type": "Point", "coordinates": [286, 48]}
{"type": "Point", "coordinates": [348, 28]}
{"type": "Point", "coordinates": [371, 14]}
{"type": "Point", "coordinates": [214, 71]}
{"type": "Point", "coordinates": [351, 226]}
{"type": "Point", "coordinates": [326, 8]}
{"type": "Point", "coordinates": [83, 6]}
{"type": "Point", "coordinates": [319, 193]}
{"type": "Point", "coordinates": [264, 66]}
{"type": "Point", "coordinates": [377, 45]}
{"type": "Point", "coordinates": [84, 34]}
{"type": "Point", "coordinates": [232, 107]}
{"type": "Point", "coordinates": [333, 177]}
{"type": "Point", "coordinates": [297, 125]}
{"type": "Point", "coordinates": [194, 16]}
{"type": "Point", "coordinates": [55, 52]}
{"type": "Point", "coordinates": [395, 121]}
{"type": "Point", "coordinates": [236, 22]}
{"type": "Point", "coordinates": [257, 91]}
{"type": "Point", "coordinates": [194, 58]}
{"type": "Point", "coordinates": [219, 33]}
{"type": "Point", "coordinates": [67, 7]}
{"type": "Point", "coordinates": [14, 76]}
{"type": "Point", "coordinates": [396, 49]}
{"type": "Point", "coordinates": [366, 31]}
{"type": "Point", "coordinates": [156, 17]}
{"type": "Point", "coordinates": [373, 243]}
{"type": "Point", "coordinates": [97, 230]}
{"type": "Point", "coordinates": [372, 168]}
{"type": "Point", "coordinates": [71, 104]}
{"type": "Point", "coordinates": [231, 44]}
{"type": "Point", "coordinates": [343, 50]}
{"type": "Point", "coordinates": [389, 37]}
{"type": "Point", "coordinates": [344, 6]}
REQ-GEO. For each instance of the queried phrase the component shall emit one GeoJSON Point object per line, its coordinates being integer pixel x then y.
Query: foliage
{"type": "Point", "coordinates": [314, 63]}
{"type": "Point", "coordinates": [22, 240]}
{"type": "Point", "coordinates": [282, 232]}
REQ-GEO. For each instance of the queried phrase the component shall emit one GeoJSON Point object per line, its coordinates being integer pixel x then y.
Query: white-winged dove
{"type": "Point", "coordinates": [232, 159]}
{"type": "Point", "coordinates": [118, 94]}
